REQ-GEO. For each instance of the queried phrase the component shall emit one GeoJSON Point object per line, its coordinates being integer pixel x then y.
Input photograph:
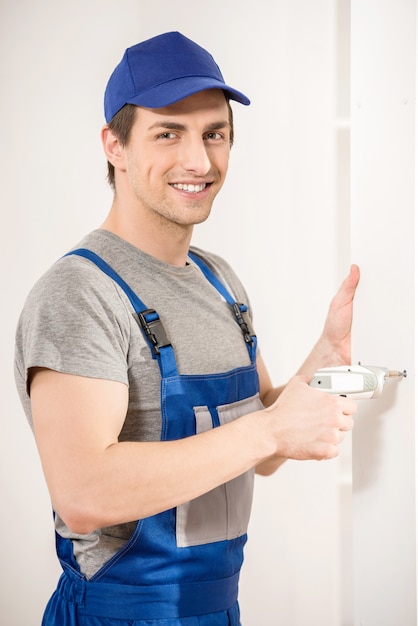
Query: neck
{"type": "Point", "coordinates": [158, 237]}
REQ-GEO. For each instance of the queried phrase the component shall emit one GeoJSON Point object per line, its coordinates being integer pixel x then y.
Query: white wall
{"type": "Point", "coordinates": [383, 214]}
{"type": "Point", "coordinates": [275, 221]}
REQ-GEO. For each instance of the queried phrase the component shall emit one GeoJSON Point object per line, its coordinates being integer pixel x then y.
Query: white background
{"type": "Point", "coordinates": [383, 224]}
{"type": "Point", "coordinates": [275, 221]}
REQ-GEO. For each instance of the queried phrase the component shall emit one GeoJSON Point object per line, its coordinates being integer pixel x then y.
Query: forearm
{"type": "Point", "coordinates": [95, 480]}
{"type": "Point", "coordinates": [132, 480]}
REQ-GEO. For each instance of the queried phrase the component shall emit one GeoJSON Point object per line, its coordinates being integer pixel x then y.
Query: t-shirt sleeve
{"type": "Point", "coordinates": [75, 321]}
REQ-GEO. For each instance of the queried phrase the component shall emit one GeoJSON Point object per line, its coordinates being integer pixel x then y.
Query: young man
{"type": "Point", "coordinates": [138, 368]}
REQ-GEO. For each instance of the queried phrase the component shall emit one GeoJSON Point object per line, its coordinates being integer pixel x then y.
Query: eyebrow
{"type": "Point", "coordinates": [168, 125]}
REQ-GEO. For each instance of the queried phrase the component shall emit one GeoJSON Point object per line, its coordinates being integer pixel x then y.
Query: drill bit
{"type": "Point", "coordinates": [395, 374]}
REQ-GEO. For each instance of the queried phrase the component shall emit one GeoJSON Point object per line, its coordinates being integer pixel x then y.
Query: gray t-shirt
{"type": "Point", "coordinates": [77, 320]}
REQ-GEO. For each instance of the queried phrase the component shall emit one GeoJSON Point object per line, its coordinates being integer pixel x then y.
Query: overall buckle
{"type": "Point", "coordinates": [153, 329]}
{"type": "Point", "coordinates": [243, 319]}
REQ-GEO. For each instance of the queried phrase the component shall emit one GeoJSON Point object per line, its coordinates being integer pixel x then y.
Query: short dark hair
{"type": "Point", "coordinates": [121, 126]}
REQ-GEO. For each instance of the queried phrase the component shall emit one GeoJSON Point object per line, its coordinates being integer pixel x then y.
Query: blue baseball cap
{"type": "Point", "coordinates": [162, 70]}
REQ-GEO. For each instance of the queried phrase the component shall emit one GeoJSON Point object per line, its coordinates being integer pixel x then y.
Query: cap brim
{"type": "Point", "coordinates": [180, 88]}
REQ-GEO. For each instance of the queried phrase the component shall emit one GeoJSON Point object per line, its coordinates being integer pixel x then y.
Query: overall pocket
{"type": "Point", "coordinates": [224, 512]}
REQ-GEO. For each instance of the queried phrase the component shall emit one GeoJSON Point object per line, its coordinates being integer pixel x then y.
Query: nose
{"type": "Point", "coordinates": [194, 157]}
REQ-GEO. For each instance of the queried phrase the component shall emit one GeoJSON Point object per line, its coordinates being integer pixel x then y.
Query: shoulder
{"type": "Point", "coordinates": [75, 277]}
{"type": "Point", "coordinates": [70, 281]}
{"type": "Point", "coordinates": [75, 295]}
{"type": "Point", "coordinates": [75, 320]}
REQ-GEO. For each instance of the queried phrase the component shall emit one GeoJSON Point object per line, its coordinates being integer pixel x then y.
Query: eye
{"type": "Point", "coordinates": [167, 135]}
{"type": "Point", "coordinates": [214, 136]}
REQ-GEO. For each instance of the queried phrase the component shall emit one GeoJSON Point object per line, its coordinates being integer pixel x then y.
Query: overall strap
{"type": "Point", "coordinates": [239, 309]}
{"type": "Point", "coordinates": [152, 327]}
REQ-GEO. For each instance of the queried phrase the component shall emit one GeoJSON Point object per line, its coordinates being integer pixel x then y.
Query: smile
{"type": "Point", "coordinates": [189, 188]}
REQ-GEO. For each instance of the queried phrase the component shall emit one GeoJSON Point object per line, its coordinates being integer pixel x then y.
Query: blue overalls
{"type": "Point", "coordinates": [181, 566]}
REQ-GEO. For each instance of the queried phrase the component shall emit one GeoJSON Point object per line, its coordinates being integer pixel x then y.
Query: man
{"type": "Point", "coordinates": [138, 368]}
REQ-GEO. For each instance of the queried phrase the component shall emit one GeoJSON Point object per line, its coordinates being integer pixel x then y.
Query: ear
{"type": "Point", "coordinates": [113, 150]}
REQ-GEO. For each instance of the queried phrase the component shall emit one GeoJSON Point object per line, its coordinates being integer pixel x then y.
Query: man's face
{"type": "Point", "coordinates": [177, 158]}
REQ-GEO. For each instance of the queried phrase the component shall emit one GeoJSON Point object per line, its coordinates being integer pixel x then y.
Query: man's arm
{"type": "Point", "coordinates": [96, 481]}
{"type": "Point", "coordinates": [332, 348]}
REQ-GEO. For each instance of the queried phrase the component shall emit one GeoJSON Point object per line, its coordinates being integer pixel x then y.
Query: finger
{"type": "Point", "coordinates": [348, 287]}
{"type": "Point", "coordinates": [347, 423]}
{"type": "Point", "coordinates": [338, 437]}
{"type": "Point", "coordinates": [353, 276]}
{"type": "Point", "coordinates": [349, 406]}
{"type": "Point", "coordinates": [352, 279]}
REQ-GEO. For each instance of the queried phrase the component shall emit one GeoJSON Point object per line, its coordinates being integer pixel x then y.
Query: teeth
{"type": "Point", "coordinates": [190, 188]}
